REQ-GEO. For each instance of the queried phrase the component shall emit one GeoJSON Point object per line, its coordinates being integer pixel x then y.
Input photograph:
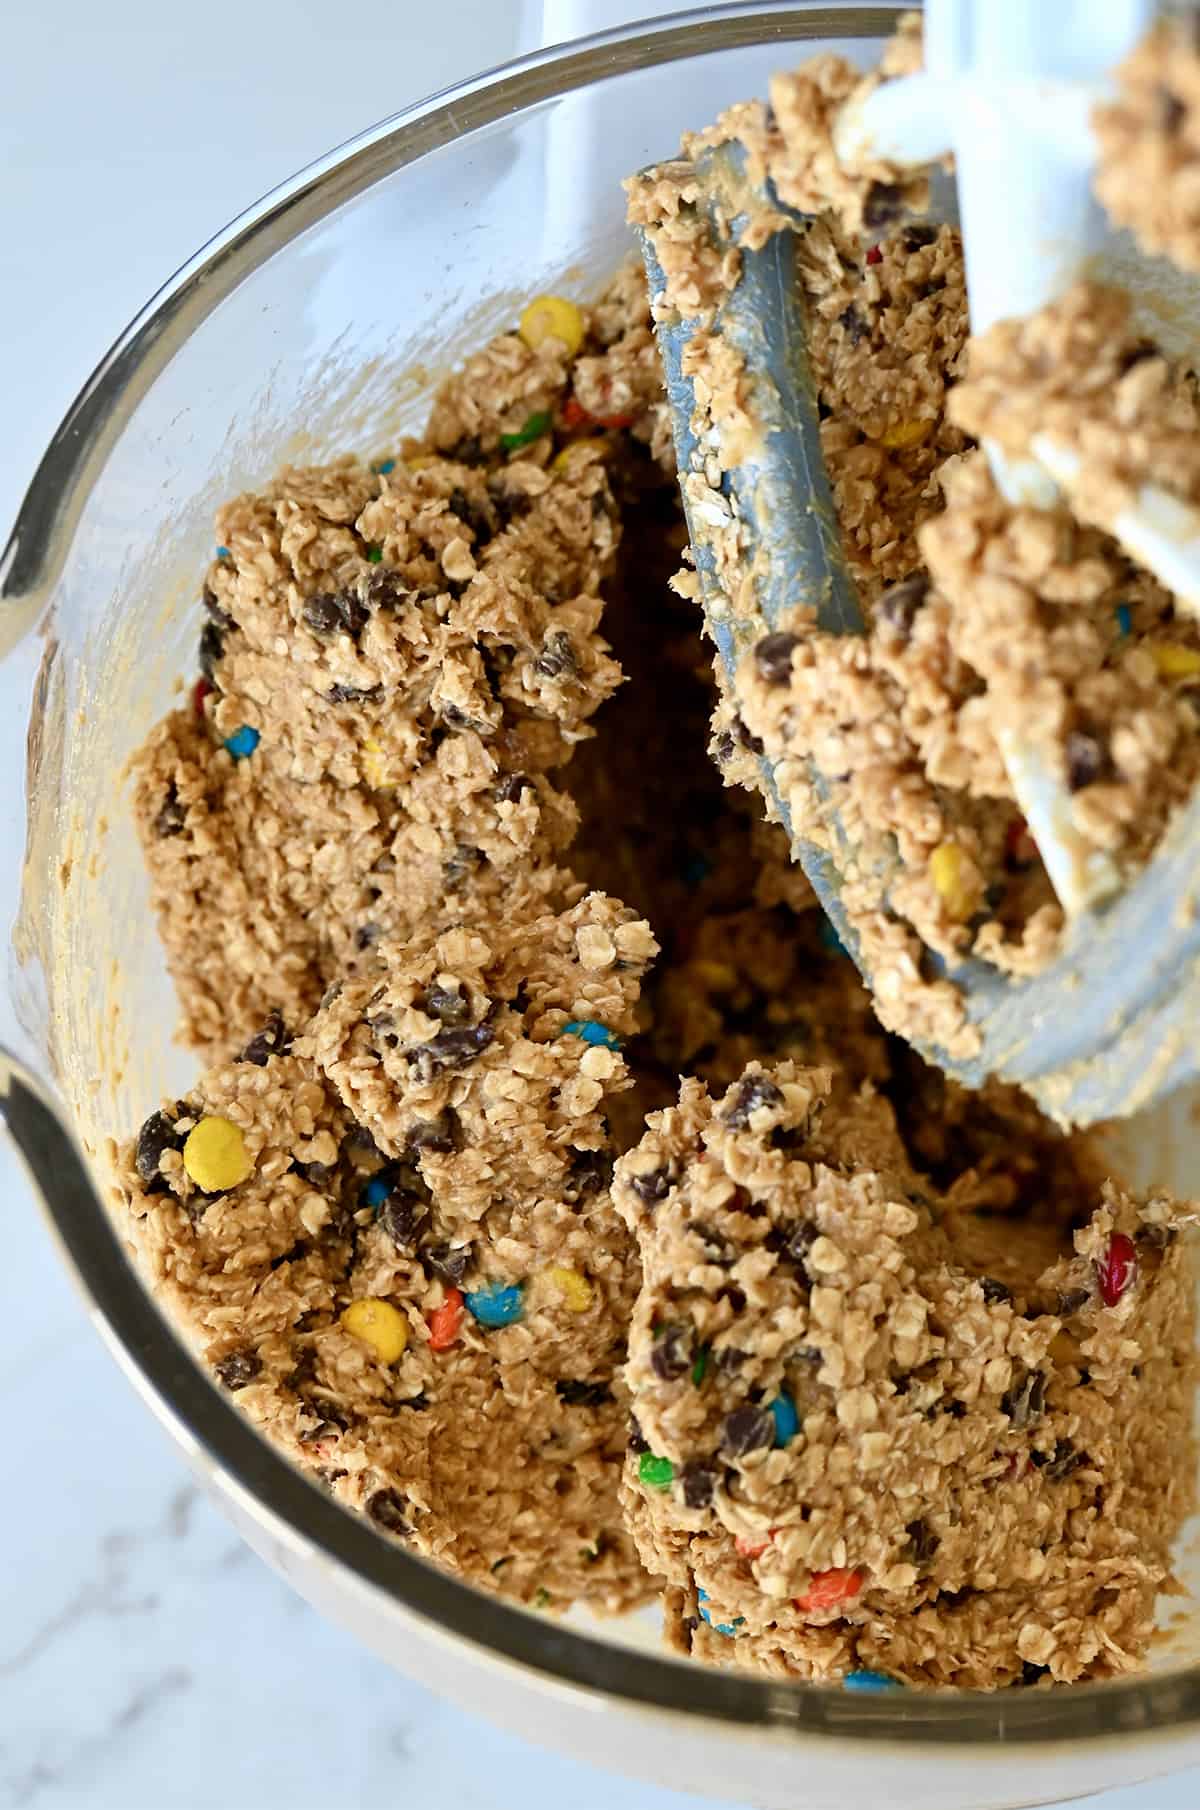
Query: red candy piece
{"type": "Point", "coordinates": [751, 1549]}
{"type": "Point", "coordinates": [874, 256]}
{"type": "Point", "coordinates": [574, 414]}
{"type": "Point", "coordinates": [200, 690]}
{"type": "Point", "coordinates": [829, 1588]}
{"type": "Point", "coordinates": [445, 1322]}
{"type": "Point", "coordinates": [1117, 1269]}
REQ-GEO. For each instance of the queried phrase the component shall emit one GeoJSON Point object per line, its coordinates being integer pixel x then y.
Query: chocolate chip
{"type": "Point", "coordinates": [699, 1481]}
{"type": "Point", "coordinates": [1030, 1675]}
{"type": "Point", "coordinates": [1087, 760]}
{"type": "Point", "coordinates": [809, 1354]}
{"type": "Point", "coordinates": [455, 718]}
{"type": "Point", "coordinates": [366, 935]}
{"type": "Point", "coordinates": [918, 235]}
{"type": "Point", "coordinates": [723, 747]}
{"type": "Point", "coordinates": [748, 1429]}
{"type": "Point", "coordinates": [637, 1444]}
{"type": "Point", "coordinates": [387, 1509]}
{"type": "Point", "coordinates": [735, 1297]}
{"type": "Point", "coordinates": [994, 1290]}
{"type": "Point", "coordinates": [451, 1049]}
{"type": "Point", "coordinates": [170, 819]}
{"type": "Point", "coordinates": [215, 613]}
{"type": "Point", "coordinates": [1070, 1300]}
{"type": "Point", "coordinates": [462, 862]}
{"type": "Point", "coordinates": [922, 1542]}
{"type": "Point", "coordinates": [1026, 1400]}
{"type": "Point", "coordinates": [798, 1242]}
{"type": "Point", "coordinates": [591, 1172]}
{"type": "Point", "coordinates": [854, 324]}
{"type": "Point", "coordinates": [717, 1248]}
{"type": "Point", "coordinates": [578, 1394]}
{"type": "Point", "coordinates": [402, 1215]}
{"type": "Point", "coordinates": [752, 743]}
{"type": "Point", "coordinates": [652, 1185]}
{"type": "Point", "coordinates": [512, 787]}
{"type": "Point", "coordinates": [1155, 1237]}
{"type": "Point", "coordinates": [335, 612]}
{"type": "Point", "coordinates": [448, 1262]}
{"type": "Point", "coordinates": [272, 1040]}
{"type": "Point", "coordinates": [446, 1004]}
{"type": "Point", "coordinates": [384, 589]}
{"type": "Point", "coordinates": [673, 1351]}
{"type": "Point", "coordinates": [754, 1093]}
{"type": "Point", "coordinates": [479, 517]}
{"type": "Point", "coordinates": [773, 658]}
{"type": "Point", "coordinates": [1169, 110]}
{"type": "Point", "coordinates": [212, 647]}
{"type": "Point", "coordinates": [359, 1142]}
{"type": "Point", "coordinates": [353, 694]}
{"type": "Point", "coordinates": [439, 1135]}
{"type": "Point", "coordinates": [157, 1135]}
{"type": "Point", "coordinates": [900, 602]}
{"type": "Point", "coordinates": [239, 1368]}
{"type": "Point", "coordinates": [883, 205]}
{"type": "Point", "coordinates": [1065, 1460]}
{"type": "Point", "coordinates": [558, 658]}
{"type": "Point", "coordinates": [729, 1359]}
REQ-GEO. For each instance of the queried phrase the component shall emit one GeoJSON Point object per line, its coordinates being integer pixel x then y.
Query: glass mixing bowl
{"type": "Point", "coordinates": [316, 324]}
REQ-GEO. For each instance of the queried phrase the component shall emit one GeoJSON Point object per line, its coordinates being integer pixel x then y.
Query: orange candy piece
{"type": "Point", "coordinates": [751, 1549]}
{"type": "Point", "coordinates": [829, 1588]}
{"type": "Point", "coordinates": [445, 1322]}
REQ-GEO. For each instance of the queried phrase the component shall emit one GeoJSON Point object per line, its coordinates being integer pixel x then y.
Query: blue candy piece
{"type": "Point", "coordinates": [376, 1191]}
{"type": "Point", "coordinates": [830, 938]}
{"type": "Point", "coordinates": [222, 552]}
{"type": "Point", "coordinates": [497, 1305]}
{"type": "Point", "coordinates": [1124, 618]}
{"type": "Point", "coordinates": [242, 743]}
{"type": "Point", "coordinates": [787, 1421]}
{"type": "Point", "coordinates": [871, 1681]}
{"type": "Point", "coordinates": [591, 1032]}
{"type": "Point", "coordinates": [383, 467]}
{"type": "Point", "coordinates": [718, 1627]}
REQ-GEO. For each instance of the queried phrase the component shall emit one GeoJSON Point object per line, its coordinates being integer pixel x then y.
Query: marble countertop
{"type": "Point", "coordinates": [148, 1661]}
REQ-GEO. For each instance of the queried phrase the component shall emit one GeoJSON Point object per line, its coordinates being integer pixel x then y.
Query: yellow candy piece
{"type": "Point", "coordinates": [418, 461]}
{"type": "Point", "coordinates": [906, 434]}
{"type": "Point", "coordinates": [552, 317]}
{"type": "Point", "coordinates": [375, 766]}
{"type": "Point", "coordinates": [215, 1155]}
{"type": "Point", "coordinates": [562, 460]}
{"type": "Point", "coordinates": [379, 1325]}
{"type": "Point", "coordinates": [1174, 661]}
{"type": "Point", "coordinates": [576, 1291]}
{"type": "Point", "coordinates": [954, 881]}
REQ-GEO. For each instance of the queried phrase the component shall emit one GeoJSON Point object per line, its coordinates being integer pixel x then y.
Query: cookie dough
{"type": "Point", "coordinates": [1148, 175]}
{"type": "Point", "coordinates": [873, 1431]}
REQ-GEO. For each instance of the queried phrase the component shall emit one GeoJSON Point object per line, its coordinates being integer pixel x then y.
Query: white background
{"type": "Point", "coordinates": [147, 1660]}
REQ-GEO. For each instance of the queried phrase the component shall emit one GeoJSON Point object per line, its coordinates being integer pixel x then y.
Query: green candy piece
{"type": "Point", "coordinates": [533, 429]}
{"type": "Point", "coordinates": [656, 1472]}
{"type": "Point", "coordinates": [700, 1366]}
{"type": "Point", "coordinates": [374, 554]}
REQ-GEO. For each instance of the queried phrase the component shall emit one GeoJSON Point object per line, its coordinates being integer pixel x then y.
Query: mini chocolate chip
{"type": "Point", "coordinates": [919, 234]}
{"type": "Point", "coordinates": [446, 1004]}
{"type": "Point", "coordinates": [735, 1297]}
{"type": "Point", "coordinates": [699, 1481]}
{"type": "Point", "coordinates": [1026, 1400]}
{"type": "Point", "coordinates": [1087, 760]}
{"type": "Point", "coordinates": [773, 658]}
{"type": "Point", "coordinates": [752, 743]}
{"type": "Point", "coordinates": [900, 602]}
{"type": "Point", "coordinates": [717, 1248]}
{"type": "Point", "coordinates": [439, 1135]}
{"type": "Point", "coordinates": [1170, 111]}
{"type": "Point", "coordinates": [854, 324]}
{"type": "Point", "coordinates": [479, 517]}
{"type": "Point", "coordinates": [402, 1216]}
{"type": "Point", "coordinates": [272, 1040]}
{"type": "Point", "coordinates": [512, 787]}
{"type": "Point", "coordinates": [922, 1542]}
{"type": "Point", "coordinates": [723, 747]}
{"type": "Point", "coordinates": [322, 615]}
{"type": "Point", "coordinates": [637, 1444]}
{"type": "Point", "coordinates": [729, 1359]}
{"type": "Point", "coordinates": [994, 1290]}
{"type": "Point", "coordinates": [387, 1509]}
{"type": "Point", "coordinates": [212, 647]}
{"type": "Point", "coordinates": [810, 1354]}
{"type": "Point", "coordinates": [316, 1173]}
{"type": "Point", "coordinates": [157, 1135]}
{"type": "Point", "coordinates": [883, 205]}
{"type": "Point", "coordinates": [366, 935]}
{"type": "Point", "coordinates": [673, 1351]}
{"type": "Point", "coordinates": [590, 1173]}
{"type": "Point", "coordinates": [170, 819]}
{"type": "Point", "coordinates": [462, 862]}
{"type": "Point", "coordinates": [455, 718]}
{"type": "Point", "coordinates": [558, 658]}
{"type": "Point", "coordinates": [1070, 1300]}
{"type": "Point", "coordinates": [1155, 1237]}
{"type": "Point", "coordinates": [579, 1394]}
{"type": "Point", "coordinates": [216, 614]}
{"type": "Point", "coordinates": [957, 1410]}
{"type": "Point", "coordinates": [239, 1368]}
{"type": "Point", "coordinates": [448, 1262]}
{"type": "Point", "coordinates": [652, 1185]}
{"type": "Point", "coordinates": [748, 1429]}
{"type": "Point", "coordinates": [799, 1242]}
{"type": "Point", "coordinates": [1030, 1675]}
{"type": "Point", "coordinates": [353, 694]}
{"type": "Point", "coordinates": [451, 1049]}
{"type": "Point", "coordinates": [754, 1093]}
{"type": "Point", "coordinates": [1065, 1460]}
{"type": "Point", "coordinates": [359, 1142]}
